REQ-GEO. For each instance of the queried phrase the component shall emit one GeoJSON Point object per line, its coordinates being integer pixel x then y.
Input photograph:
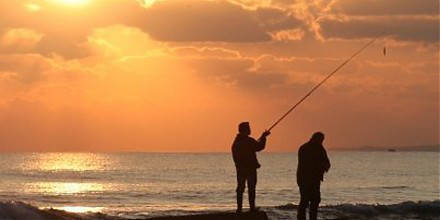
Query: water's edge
{"type": "Point", "coordinates": [15, 210]}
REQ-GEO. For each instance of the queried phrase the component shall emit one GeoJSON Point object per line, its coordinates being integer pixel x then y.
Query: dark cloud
{"type": "Point", "coordinates": [68, 48]}
{"type": "Point", "coordinates": [386, 7]}
{"type": "Point", "coordinates": [213, 21]}
{"type": "Point", "coordinates": [239, 73]}
{"type": "Point", "coordinates": [274, 19]}
{"type": "Point", "coordinates": [400, 28]}
{"type": "Point", "coordinates": [284, 2]}
{"type": "Point", "coordinates": [24, 68]}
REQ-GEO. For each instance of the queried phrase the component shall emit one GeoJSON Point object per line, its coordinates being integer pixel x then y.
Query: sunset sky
{"type": "Point", "coordinates": [179, 75]}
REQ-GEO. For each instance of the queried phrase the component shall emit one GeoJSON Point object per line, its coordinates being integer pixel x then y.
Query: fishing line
{"type": "Point", "coordinates": [322, 82]}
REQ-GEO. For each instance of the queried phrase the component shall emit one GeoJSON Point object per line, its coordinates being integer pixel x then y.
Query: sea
{"type": "Point", "coordinates": [145, 185]}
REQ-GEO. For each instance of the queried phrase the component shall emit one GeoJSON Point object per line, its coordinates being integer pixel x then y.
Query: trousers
{"type": "Point", "coordinates": [244, 176]}
{"type": "Point", "coordinates": [310, 198]}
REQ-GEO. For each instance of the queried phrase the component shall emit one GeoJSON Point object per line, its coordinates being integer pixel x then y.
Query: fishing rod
{"type": "Point", "coordinates": [322, 82]}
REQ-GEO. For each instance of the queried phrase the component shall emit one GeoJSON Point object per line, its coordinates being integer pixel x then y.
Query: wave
{"type": "Point", "coordinates": [12, 210]}
{"type": "Point", "coordinates": [404, 208]}
{"type": "Point", "coordinates": [384, 187]}
{"type": "Point", "coordinates": [22, 211]}
{"type": "Point", "coordinates": [395, 187]}
{"type": "Point", "coordinates": [408, 207]}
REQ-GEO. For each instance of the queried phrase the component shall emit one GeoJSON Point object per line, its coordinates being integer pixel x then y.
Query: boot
{"type": "Point", "coordinates": [239, 202]}
{"type": "Point", "coordinates": [251, 194]}
{"type": "Point", "coordinates": [313, 211]}
{"type": "Point", "coordinates": [301, 215]}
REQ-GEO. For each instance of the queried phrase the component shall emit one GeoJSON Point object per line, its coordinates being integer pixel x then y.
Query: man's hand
{"type": "Point", "coordinates": [265, 133]}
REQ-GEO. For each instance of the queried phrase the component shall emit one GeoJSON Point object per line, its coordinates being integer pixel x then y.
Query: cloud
{"type": "Point", "coordinates": [239, 73]}
{"type": "Point", "coordinates": [24, 68]}
{"type": "Point", "coordinates": [119, 102]}
{"type": "Point", "coordinates": [204, 52]}
{"type": "Point", "coordinates": [401, 20]}
{"type": "Point", "coordinates": [68, 48]}
{"type": "Point", "coordinates": [123, 42]}
{"type": "Point", "coordinates": [19, 40]}
{"type": "Point", "coordinates": [63, 28]}
{"type": "Point", "coordinates": [230, 69]}
{"type": "Point", "coordinates": [77, 79]}
{"type": "Point", "coordinates": [289, 35]}
{"type": "Point", "coordinates": [213, 21]}
{"type": "Point", "coordinates": [418, 29]}
{"type": "Point", "coordinates": [388, 7]}
{"type": "Point", "coordinates": [275, 19]}
{"type": "Point", "coordinates": [284, 2]}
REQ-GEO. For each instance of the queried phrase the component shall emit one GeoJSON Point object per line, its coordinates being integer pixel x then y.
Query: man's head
{"type": "Point", "coordinates": [244, 128]}
{"type": "Point", "coordinates": [317, 137]}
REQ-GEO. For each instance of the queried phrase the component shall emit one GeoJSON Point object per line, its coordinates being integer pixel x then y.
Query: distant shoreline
{"type": "Point", "coordinates": [419, 148]}
{"type": "Point", "coordinates": [429, 148]}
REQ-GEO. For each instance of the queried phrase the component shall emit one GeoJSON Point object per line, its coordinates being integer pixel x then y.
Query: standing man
{"type": "Point", "coordinates": [244, 154]}
{"type": "Point", "coordinates": [312, 164]}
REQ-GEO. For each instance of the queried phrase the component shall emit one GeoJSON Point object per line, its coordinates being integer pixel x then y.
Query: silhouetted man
{"type": "Point", "coordinates": [244, 154]}
{"type": "Point", "coordinates": [312, 164]}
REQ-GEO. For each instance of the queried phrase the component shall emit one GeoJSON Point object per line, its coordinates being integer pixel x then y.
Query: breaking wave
{"type": "Point", "coordinates": [408, 207]}
{"type": "Point", "coordinates": [430, 209]}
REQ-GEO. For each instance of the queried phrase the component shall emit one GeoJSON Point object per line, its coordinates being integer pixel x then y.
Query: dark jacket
{"type": "Point", "coordinates": [244, 151]}
{"type": "Point", "coordinates": [312, 163]}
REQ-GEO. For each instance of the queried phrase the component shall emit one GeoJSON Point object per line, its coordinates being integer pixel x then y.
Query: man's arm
{"type": "Point", "coordinates": [234, 152]}
{"type": "Point", "coordinates": [299, 168]}
{"type": "Point", "coordinates": [261, 143]}
{"type": "Point", "coordinates": [326, 161]}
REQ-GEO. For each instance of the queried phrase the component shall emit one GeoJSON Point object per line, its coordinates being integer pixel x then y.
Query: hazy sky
{"type": "Point", "coordinates": [179, 75]}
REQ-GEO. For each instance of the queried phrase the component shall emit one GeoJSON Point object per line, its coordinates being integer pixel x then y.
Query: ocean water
{"type": "Point", "coordinates": [155, 184]}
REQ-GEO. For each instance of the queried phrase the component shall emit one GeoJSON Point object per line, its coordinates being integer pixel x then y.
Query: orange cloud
{"type": "Point", "coordinates": [21, 39]}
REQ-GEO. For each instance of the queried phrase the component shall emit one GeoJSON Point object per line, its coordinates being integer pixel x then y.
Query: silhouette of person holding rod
{"type": "Point", "coordinates": [244, 154]}
{"type": "Point", "coordinates": [312, 164]}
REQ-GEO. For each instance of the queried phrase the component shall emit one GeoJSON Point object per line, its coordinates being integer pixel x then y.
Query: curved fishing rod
{"type": "Point", "coordinates": [322, 82]}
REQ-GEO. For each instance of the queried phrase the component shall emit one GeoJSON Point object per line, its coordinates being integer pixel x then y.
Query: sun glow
{"type": "Point", "coordinates": [32, 7]}
{"type": "Point", "coordinates": [72, 2]}
{"type": "Point", "coordinates": [148, 3]}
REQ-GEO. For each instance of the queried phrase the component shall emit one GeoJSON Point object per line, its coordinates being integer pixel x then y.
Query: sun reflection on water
{"type": "Point", "coordinates": [70, 161]}
{"type": "Point", "coordinates": [59, 188]}
{"type": "Point", "coordinates": [80, 209]}
{"type": "Point", "coordinates": [64, 169]}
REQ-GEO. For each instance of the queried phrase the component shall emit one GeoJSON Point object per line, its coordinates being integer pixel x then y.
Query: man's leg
{"type": "Point", "coordinates": [241, 180]}
{"type": "Point", "coordinates": [303, 203]}
{"type": "Point", "coordinates": [315, 200]}
{"type": "Point", "coordinates": [252, 184]}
